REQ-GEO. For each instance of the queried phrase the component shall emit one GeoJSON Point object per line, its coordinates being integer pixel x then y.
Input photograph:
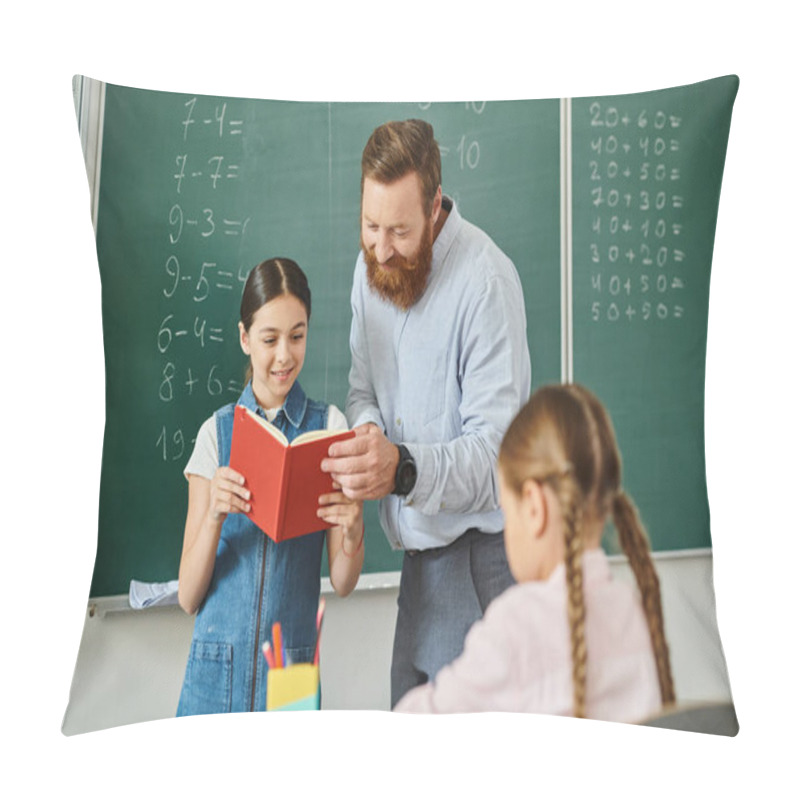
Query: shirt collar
{"type": "Point", "coordinates": [293, 408]}
{"type": "Point", "coordinates": [448, 232]}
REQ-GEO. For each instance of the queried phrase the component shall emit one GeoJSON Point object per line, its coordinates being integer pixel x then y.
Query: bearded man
{"type": "Point", "coordinates": [440, 367]}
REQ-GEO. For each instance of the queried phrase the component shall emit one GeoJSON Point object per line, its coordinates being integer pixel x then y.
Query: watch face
{"type": "Point", "coordinates": [407, 476]}
{"type": "Point", "coordinates": [403, 478]}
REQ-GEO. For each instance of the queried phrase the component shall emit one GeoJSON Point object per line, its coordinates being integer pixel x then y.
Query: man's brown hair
{"type": "Point", "coordinates": [396, 148]}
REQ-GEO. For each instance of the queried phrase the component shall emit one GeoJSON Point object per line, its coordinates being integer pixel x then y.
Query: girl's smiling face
{"type": "Point", "coordinates": [276, 344]}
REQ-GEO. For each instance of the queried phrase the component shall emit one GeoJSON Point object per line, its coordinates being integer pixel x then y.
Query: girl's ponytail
{"type": "Point", "coordinates": [634, 542]}
{"type": "Point", "coordinates": [571, 502]}
{"type": "Point", "coordinates": [564, 436]}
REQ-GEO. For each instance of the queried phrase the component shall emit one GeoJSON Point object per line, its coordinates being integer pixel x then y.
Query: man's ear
{"type": "Point", "coordinates": [534, 504]}
{"type": "Point", "coordinates": [244, 339]}
{"type": "Point", "coordinates": [436, 208]}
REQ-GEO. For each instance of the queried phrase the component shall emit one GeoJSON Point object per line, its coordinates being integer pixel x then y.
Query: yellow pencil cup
{"type": "Point", "coordinates": [293, 688]}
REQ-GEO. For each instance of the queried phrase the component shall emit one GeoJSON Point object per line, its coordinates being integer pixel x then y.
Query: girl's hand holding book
{"type": "Point", "coordinates": [227, 494]}
{"type": "Point", "coordinates": [345, 515]}
{"type": "Point", "coordinates": [345, 538]}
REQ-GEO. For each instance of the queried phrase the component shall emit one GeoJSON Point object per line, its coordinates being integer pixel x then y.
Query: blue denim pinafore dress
{"type": "Point", "coordinates": [255, 582]}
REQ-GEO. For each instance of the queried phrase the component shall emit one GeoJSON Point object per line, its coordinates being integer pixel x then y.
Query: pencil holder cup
{"type": "Point", "coordinates": [293, 688]}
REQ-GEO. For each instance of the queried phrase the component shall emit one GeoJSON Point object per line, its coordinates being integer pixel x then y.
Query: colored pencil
{"type": "Point", "coordinates": [320, 613]}
{"type": "Point", "coordinates": [268, 655]}
{"type": "Point", "coordinates": [277, 645]}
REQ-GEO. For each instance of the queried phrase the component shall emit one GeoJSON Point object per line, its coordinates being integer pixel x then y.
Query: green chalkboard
{"type": "Point", "coordinates": [647, 170]}
{"type": "Point", "coordinates": [195, 190]}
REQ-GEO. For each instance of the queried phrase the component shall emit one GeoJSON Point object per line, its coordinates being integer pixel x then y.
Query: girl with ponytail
{"type": "Point", "coordinates": [235, 579]}
{"type": "Point", "coordinates": [566, 639]}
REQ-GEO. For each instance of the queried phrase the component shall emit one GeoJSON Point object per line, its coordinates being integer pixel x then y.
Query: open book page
{"type": "Point", "coordinates": [311, 436]}
{"type": "Point", "coordinates": [268, 426]}
{"type": "Point", "coordinates": [308, 436]}
{"type": "Point", "coordinates": [285, 482]}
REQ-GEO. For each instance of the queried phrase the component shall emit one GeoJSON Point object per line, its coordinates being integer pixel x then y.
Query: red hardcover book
{"type": "Point", "coordinates": [284, 479]}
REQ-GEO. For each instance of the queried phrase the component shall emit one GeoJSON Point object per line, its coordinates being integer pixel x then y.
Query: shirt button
{"type": "Point", "coordinates": [398, 422]}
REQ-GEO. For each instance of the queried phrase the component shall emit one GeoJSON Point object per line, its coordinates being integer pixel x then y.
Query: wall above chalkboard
{"type": "Point", "coordinates": [607, 206]}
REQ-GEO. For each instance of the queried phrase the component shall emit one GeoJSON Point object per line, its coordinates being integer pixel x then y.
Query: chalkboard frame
{"type": "Point", "coordinates": [549, 306]}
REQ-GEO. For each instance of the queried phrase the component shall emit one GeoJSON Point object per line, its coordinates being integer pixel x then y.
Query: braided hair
{"type": "Point", "coordinates": [563, 437]}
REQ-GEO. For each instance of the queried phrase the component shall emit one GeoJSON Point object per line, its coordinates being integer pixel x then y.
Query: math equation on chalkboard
{"type": "Point", "coordinates": [633, 252]}
{"type": "Point", "coordinates": [201, 274]}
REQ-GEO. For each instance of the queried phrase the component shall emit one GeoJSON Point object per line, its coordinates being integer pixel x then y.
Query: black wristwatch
{"type": "Point", "coordinates": [406, 475]}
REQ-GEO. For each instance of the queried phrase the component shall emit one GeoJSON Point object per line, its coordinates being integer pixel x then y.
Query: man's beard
{"type": "Point", "coordinates": [405, 280]}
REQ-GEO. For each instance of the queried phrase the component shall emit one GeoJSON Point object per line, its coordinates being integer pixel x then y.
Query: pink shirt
{"type": "Point", "coordinates": [517, 658]}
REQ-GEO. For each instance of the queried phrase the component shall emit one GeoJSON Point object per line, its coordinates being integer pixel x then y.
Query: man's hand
{"type": "Point", "coordinates": [365, 465]}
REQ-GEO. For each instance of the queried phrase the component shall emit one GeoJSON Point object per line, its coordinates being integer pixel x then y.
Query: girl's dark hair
{"type": "Point", "coordinates": [563, 436]}
{"type": "Point", "coordinates": [270, 279]}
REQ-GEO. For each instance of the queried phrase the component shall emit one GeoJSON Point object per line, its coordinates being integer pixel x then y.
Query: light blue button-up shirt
{"type": "Point", "coordinates": [445, 378]}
